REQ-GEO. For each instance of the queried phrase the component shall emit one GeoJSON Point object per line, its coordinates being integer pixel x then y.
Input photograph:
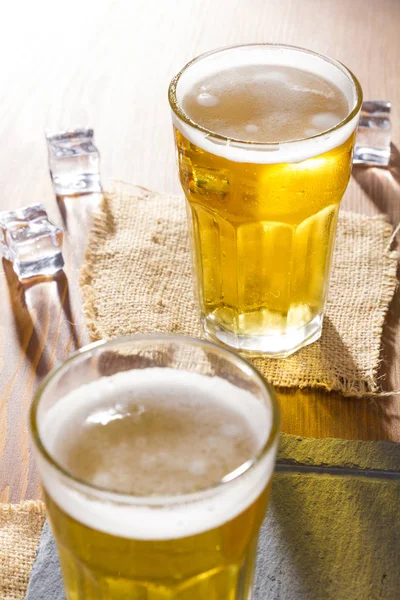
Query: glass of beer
{"type": "Point", "coordinates": [264, 136]}
{"type": "Point", "coordinates": [156, 455]}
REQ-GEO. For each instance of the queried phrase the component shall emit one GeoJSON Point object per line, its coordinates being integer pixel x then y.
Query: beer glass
{"type": "Point", "coordinates": [262, 214]}
{"type": "Point", "coordinates": [156, 454]}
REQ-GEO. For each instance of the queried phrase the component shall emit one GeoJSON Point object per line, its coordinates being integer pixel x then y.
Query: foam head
{"type": "Point", "coordinates": [265, 103]}
{"type": "Point", "coordinates": [158, 442]}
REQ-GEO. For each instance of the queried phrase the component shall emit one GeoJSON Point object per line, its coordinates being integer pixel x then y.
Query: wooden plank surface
{"type": "Point", "coordinates": [113, 60]}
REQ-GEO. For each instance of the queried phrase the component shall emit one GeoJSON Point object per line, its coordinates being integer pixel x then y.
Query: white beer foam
{"type": "Point", "coordinates": [295, 151]}
{"type": "Point", "coordinates": [159, 518]}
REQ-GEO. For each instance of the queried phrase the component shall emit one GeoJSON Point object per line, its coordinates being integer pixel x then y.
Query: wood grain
{"type": "Point", "coordinates": [113, 61]}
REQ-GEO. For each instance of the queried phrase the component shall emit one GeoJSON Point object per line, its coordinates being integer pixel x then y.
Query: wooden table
{"type": "Point", "coordinates": [114, 60]}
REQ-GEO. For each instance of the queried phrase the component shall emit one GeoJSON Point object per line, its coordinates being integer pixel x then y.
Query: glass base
{"type": "Point", "coordinates": [272, 345]}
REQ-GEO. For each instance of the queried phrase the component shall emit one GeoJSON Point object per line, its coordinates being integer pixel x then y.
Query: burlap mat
{"type": "Point", "coordinates": [137, 278]}
{"type": "Point", "coordinates": [20, 527]}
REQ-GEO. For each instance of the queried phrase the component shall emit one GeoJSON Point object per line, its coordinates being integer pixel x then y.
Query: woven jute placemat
{"type": "Point", "coordinates": [20, 527]}
{"type": "Point", "coordinates": [137, 277]}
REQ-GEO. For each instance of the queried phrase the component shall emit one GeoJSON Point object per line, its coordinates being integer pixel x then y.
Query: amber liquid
{"type": "Point", "coordinates": [214, 565]}
{"type": "Point", "coordinates": [263, 236]}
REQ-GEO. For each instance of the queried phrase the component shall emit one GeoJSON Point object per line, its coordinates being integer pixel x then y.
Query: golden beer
{"type": "Point", "coordinates": [264, 156]}
{"type": "Point", "coordinates": [156, 479]}
{"type": "Point", "coordinates": [207, 566]}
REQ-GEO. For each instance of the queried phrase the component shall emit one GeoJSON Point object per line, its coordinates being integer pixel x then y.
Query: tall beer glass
{"type": "Point", "coordinates": [264, 136]}
{"type": "Point", "coordinates": [156, 455]}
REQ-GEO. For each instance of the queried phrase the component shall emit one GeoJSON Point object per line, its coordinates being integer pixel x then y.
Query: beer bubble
{"type": "Point", "coordinates": [310, 131]}
{"type": "Point", "coordinates": [103, 417]}
{"type": "Point", "coordinates": [206, 99]}
{"type": "Point", "coordinates": [325, 120]}
{"type": "Point", "coordinates": [280, 76]}
{"type": "Point", "coordinates": [198, 467]}
{"type": "Point", "coordinates": [251, 128]}
{"type": "Point", "coordinates": [230, 430]}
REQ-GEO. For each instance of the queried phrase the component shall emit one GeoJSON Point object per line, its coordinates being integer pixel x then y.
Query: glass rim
{"type": "Point", "coordinates": [179, 112]}
{"type": "Point", "coordinates": [124, 497]}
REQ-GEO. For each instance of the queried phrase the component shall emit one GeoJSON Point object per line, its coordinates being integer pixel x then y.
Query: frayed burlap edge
{"type": "Point", "coordinates": [104, 226]}
{"type": "Point", "coordinates": [20, 528]}
{"type": "Point", "coordinates": [388, 290]}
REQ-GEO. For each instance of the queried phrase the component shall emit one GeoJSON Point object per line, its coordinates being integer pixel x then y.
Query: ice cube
{"type": "Point", "coordinates": [373, 134]}
{"type": "Point", "coordinates": [74, 161]}
{"type": "Point", "coordinates": [31, 241]}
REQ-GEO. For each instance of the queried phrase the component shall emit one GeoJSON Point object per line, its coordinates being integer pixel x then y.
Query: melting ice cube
{"type": "Point", "coordinates": [31, 241]}
{"type": "Point", "coordinates": [74, 161]}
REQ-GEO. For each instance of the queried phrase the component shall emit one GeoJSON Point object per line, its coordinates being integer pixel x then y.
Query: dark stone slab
{"type": "Point", "coordinates": [325, 537]}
